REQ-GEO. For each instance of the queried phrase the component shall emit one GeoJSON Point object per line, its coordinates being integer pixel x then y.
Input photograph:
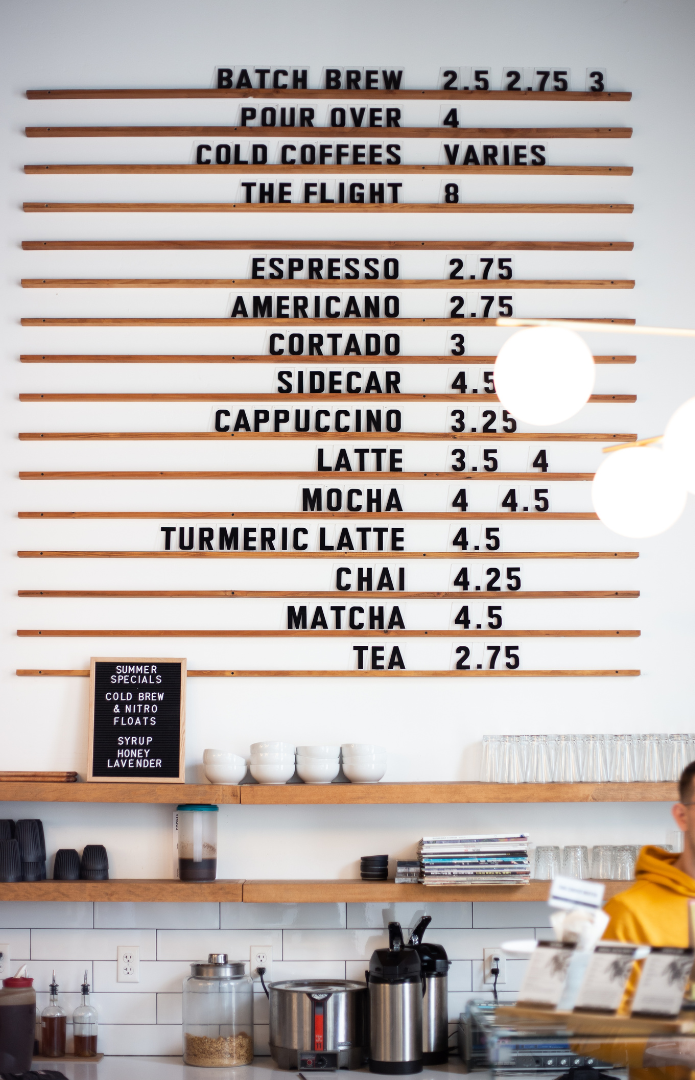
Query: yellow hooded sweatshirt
{"type": "Point", "coordinates": [654, 911]}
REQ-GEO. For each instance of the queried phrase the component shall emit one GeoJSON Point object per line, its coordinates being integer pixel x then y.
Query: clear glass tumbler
{"type": "Point", "coordinates": [602, 862]}
{"type": "Point", "coordinates": [563, 768]}
{"type": "Point", "coordinates": [506, 750]}
{"type": "Point", "coordinates": [623, 767]}
{"type": "Point", "coordinates": [624, 863]}
{"type": "Point", "coordinates": [575, 861]}
{"type": "Point", "coordinates": [678, 755]}
{"type": "Point", "coordinates": [540, 770]}
{"type": "Point", "coordinates": [547, 863]}
{"type": "Point", "coordinates": [594, 766]}
{"type": "Point", "coordinates": [653, 765]}
{"type": "Point", "coordinates": [516, 766]}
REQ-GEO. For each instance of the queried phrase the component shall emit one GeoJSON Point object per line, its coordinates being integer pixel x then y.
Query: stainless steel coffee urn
{"type": "Point", "coordinates": [395, 1007]}
{"type": "Point", "coordinates": [318, 1025]}
{"type": "Point", "coordinates": [435, 1011]}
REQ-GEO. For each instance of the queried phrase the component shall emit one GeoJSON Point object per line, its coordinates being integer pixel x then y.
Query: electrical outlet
{"type": "Point", "coordinates": [128, 966]}
{"type": "Point", "coordinates": [5, 972]}
{"type": "Point", "coordinates": [261, 956]}
{"type": "Point", "coordinates": [489, 958]}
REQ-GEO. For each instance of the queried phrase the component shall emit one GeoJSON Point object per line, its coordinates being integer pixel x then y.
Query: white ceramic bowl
{"type": "Point", "coordinates": [364, 771]}
{"type": "Point", "coordinates": [272, 772]}
{"type": "Point", "coordinates": [223, 767]}
{"type": "Point", "coordinates": [355, 749]}
{"type": "Point", "coordinates": [323, 751]}
{"type": "Point", "coordinates": [272, 748]}
{"type": "Point", "coordinates": [273, 758]}
{"type": "Point", "coordinates": [317, 770]}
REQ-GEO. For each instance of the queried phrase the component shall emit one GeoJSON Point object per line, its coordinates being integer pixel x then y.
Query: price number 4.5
{"type": "Point", "coordinates": [489, 657]}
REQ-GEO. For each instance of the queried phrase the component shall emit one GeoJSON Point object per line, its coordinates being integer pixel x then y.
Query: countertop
{"type": "Point", "coordinates": [173, 1068]}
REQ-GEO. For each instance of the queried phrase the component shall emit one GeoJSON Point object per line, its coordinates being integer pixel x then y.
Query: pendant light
{"type": "Point", "coordinates": [679, 443]}
{"type": "Point", "coordinates": [544, 375]}
{"type": "Point", "coordinates": [635, 492]}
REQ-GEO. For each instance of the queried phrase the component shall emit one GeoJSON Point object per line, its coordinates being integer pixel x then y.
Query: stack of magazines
{"type": "Point", "coordinates": [407, 873]}
{"type": "Point", "coordinates": [490, 859]}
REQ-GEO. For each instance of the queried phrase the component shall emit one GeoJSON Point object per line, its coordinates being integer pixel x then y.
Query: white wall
{"type": "Point", "coordinates": [432, 728]}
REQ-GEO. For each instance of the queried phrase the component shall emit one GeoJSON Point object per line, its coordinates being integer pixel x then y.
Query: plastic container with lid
{"type": "Point", "coordinates": [218, 1014]}
{"type": "Point", "coordinates": [17, 1020]}
{"type": "Point", "coordinates": [196, 827]}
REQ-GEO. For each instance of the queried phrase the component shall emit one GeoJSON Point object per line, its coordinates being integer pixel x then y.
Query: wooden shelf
{"type": "Point", "coordinates": [435, 792]}
{"type": "Point", "coordinates": [351, 891]}
{"type": "Point", "coordinates": [344, 890]}
{"type": "Point", "coordinates": [133, 890]}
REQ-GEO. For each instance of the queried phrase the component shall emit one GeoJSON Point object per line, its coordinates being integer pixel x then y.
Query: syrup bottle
{"type": "Point", "coordinates": [53, 1025]}
{"type": "Point", "coordinates": [84, 1025]}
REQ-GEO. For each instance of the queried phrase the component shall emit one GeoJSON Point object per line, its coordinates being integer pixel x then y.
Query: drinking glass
{"type": "Point", "coordinates": [563, 767]}
{"type": "Point", "coordinates": [653, 765]}
{"type": "Point", "coordinates": [486, 763]}
{"type": "Point", "coordinates": [575, 861]}
{"type": "Point", "coordinates": [638, 750]}
{"type": "Point", "coordinates": [676, 840]}
{"type": "Point", "coordinates": [624, 863]}
{"type": "Point", "coordinates": [595, 766]}
{"type": "Point", "coordinates": [678, 755]}
{"type": "Point", "coordinates": [540, 770]}
{"type": "Point", "coordinates": [516, 768]}
{"type": "Point", "coordinates": [602, 862]}
{"type": "Point", "coordinates": [506, 750]}
{"type": "Point", "coordinates": [547, 863]}
{"type": "Point", "coordinates": [623, 766]}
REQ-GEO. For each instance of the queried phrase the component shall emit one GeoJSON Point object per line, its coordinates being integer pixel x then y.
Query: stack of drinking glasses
{"type": "Point", "coordinates": [542, 759]}
{"type": "Point", "coordinates": [608, 862]}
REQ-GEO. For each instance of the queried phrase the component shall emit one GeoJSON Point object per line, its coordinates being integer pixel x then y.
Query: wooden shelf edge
{"type": "Point", "coordinates": [433, 792]}
{"type": "Point", "coordinates": [352, 891]}
{"type": "Point", "coordinates": [133, 890]}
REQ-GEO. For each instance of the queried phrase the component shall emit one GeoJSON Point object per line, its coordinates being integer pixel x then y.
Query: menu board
{"type": "Point", "coordinates": [137, 720]}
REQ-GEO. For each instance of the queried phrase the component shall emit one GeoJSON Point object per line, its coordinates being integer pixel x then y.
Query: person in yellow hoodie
{"type": "Point", "coordinates": [654, 911]}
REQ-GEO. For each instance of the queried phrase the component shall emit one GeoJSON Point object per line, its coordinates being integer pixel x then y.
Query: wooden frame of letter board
{"type": "Point", "coordinates": [181, 778]}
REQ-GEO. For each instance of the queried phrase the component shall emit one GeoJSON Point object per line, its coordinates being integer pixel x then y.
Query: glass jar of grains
{"type": "Point", "coordinates": [218, 1014]}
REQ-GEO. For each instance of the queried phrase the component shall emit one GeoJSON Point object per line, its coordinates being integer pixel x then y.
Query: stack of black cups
{"type": "Point", "coordinates": [67, 865]}
{"type": "Point", "coordinates": [374, 867]}
{"type": "Point", "coordinates": [32, 849]}
{"type": "Point", "coordinates": [10, 859]}
{"type": "Point", "coordinates": [95, 863]}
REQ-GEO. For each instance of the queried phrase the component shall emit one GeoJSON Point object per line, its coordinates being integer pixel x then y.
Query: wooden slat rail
{"type": "Point", "coordinates": [205, 358]}
{"type": "Point", "coordinates": [306, 324]}
{"type": "Point", "coordinates": [322, 283]}
{"type": "Point", "coordinates": [122, 890]}
{"type": "Point", "coordinates": [349, 555]}
{"type": "Point", "coordinates": [236, 594]}
{"type": "Point", "coordinates": [295, 474]}
{"type": "Point", "coordinates": [327, 245]}
{"type": "Point", "coordinates": [386, 892]}
{"type": "Point", "coordinates": [519, 673]}
{"type": "Point", "coordinates": [329, 170]}
{"type": "Point", "coordinates": [320, 436]}
{"type": "Point", "coordinates": [320, 94]}
{"type": "Point", "coordinates": [442, 792]}
{"type": "Point", "coordinates": [304, 515]}
{"type": "Point", "coordinates": [318, 634]}
{"type": "Point", "coordinates": [374, 399]}
{"type": "Point", "coordinates": [325, 208]}
{"type": "Point", "coordinates": [238, 132]}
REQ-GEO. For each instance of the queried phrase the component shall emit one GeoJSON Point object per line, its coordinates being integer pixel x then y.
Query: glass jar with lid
{"type": "Point", "coordinates": [196, 827]}
{"type": "Point", "coordinates": [218, 1014]}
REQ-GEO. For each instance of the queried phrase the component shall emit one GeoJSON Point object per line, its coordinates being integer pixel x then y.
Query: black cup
{"type": "Point", "coordinates": [95, 863]}
{"type": "Point", "coordinates": [29, 838]}
{"type": "Point", "coordinates": [7, 829]}
{"type": "Point", "coordinates": [67, 865]}
{"type": "Point", "coordinates": [10, 861]}
{"type": "Point", "coordinates": [34, 871]}
{"type": "Point", "coordinates": [375, 860]}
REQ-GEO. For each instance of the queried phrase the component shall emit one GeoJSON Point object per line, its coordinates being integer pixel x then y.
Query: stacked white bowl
{"type": "Point", "coordinates": [272, 762]}
{"type": "Point", "coordinates": [224, 767]}
{"type": "Point", "coordinates": [318, 764]}
{"type": "Point", "coordinates": [363, 763]}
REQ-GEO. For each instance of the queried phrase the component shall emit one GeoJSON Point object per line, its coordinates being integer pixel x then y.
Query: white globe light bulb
{"type": "Point", "coordinates": [678, 443]}
{"type": "Point", "coordinates": [635, 493]}
{"type": "Point", "coordinates": [544, 375]}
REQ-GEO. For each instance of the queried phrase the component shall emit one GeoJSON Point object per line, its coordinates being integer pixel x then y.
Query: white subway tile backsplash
{"type": "Point", "coordinates": [525, 913]}
{"type": "Point", "coordinates": [90, 944]}
{"type": "Point", "coordinates": [514, 975]}
{"type": "Point", "coordinates": [445, 914]}
{"type": "Point", "coordinates": [261, 1009]}
{"type": "Point", "coordinates": [282, 916]}
{"type": "Point", "coordinates": [331, 944]}
{"type": "Point", "coordinates": [261, 1040]}
{"type": "Point", "coordinates": [460, 975]}
{"type": "Point", "coordinates": [194, 945]}
{"type": "Point", "coordinates": [155, 977]}
{"type": "Point", "coordinates": [355, 969]}
{"type": "Point", "coordinates": [169, 1008]}
{"type": "Point", "coordinates": [157, 916]}
{"type": "Point", "coordinates": [35, 914]}
{"type": "Point", "coordinates": [19, 943]}
{"type": "Point", "coordinates": [469, 944]}
{"type": "Point", "coordinates": [126, 1008]}
{"type": "Point", "coordinates": [126, 1040]}
{"type": "Point", "coordinates": [69, 974]}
